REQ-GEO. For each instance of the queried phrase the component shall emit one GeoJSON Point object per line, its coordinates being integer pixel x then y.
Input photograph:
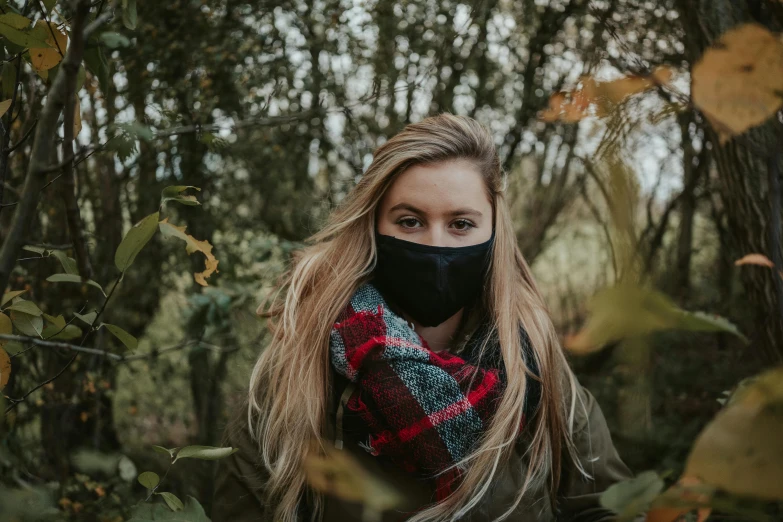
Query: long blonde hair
{"type": "Point", "coordinates": [290, 382]}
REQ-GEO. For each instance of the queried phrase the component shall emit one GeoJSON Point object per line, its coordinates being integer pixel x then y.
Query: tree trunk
{"type": "Point", "coordinates": [687, 210]}
{"type": "Point", "coordinates": [744, 166]}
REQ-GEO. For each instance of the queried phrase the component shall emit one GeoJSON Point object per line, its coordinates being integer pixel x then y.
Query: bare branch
{"type": "Point", "coordinates": [102, 353]}
{"type": "Point", "coordinates": [253, 122]}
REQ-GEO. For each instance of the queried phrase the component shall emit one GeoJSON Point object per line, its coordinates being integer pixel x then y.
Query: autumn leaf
{"type": "Point", "coordinates": [687, 494]}
{"type": "Point", "coordinates": [741, 449]}
{"type": "Point", "coordinates": [4, 105]}
{"type": "Point", "coordinates": [5, 368]}
{"type": "Point", "coordinates": [738, 82]}
{"type": "Point", "coordinates": [192, 245]}
{"type": "Point", "coordinates": [339, 474]}
{"type": "Point", "coordinates": [599, 98]}
{"type": "Point", "coordinates": [44, 58]}
{"type": "Point", "coordinates": [755, 259]}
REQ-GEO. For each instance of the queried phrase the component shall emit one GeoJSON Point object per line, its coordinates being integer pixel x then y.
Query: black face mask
{"type": "Point", "coordinates": [430, 283]}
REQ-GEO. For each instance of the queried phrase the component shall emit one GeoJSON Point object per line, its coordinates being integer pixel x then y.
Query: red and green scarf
{"type": "Point", "coordinates": [424, 410]}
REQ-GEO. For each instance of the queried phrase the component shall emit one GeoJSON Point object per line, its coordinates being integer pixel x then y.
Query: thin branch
{"type": "Point", "coordinates": [14, 401]}
{"type": "Point", "coordinates": [72, 214]}
{"type": "Point", "coordinates": [35, 341]}
{"type": "Point", "coordinates": [253, 122]}
{"type": "Point", "coordinates": [45, 134]}
{"type": "Point", "coordinates": [27, 134]}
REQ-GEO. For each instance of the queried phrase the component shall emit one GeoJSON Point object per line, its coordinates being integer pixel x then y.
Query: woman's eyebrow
{"type": "Point", "coordinates": [456, 212]}
{"type": "Point", "coordinates": [465, 212]}
{"type": "Point", "coordinates": [408, 207]}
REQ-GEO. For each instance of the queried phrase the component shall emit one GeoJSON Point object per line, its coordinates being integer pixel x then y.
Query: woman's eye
{"type": "Point", "coordinates": [408, 222]}
{"type": "Point", "coordinates": [463, 224]}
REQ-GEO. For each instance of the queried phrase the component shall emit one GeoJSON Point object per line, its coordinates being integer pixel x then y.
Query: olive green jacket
{"type": "Point", "coordinates": [239, 493]}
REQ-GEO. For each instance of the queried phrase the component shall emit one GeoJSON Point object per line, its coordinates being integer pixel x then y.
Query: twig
{"type": "Point", "coordinates": [27, 134]}
{"type": "Point", "coordinates": [72, 214]}
{"type": "Point", "coordinates": [57, 344]}
{"type": "Point", "coordinates": [45, 134]}
{"type": "Point", "coordinates": [14, 402]}
{"type": "Point", "coordinates": [253, 122]}
{"type": "Point", "coordinates": [35, 341]}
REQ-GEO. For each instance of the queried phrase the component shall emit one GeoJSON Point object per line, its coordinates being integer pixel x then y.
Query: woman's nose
{"type": "Point", "coordinates": [437, 236]}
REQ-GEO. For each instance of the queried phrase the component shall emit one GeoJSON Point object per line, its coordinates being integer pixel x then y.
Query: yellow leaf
{"type": "Point", "coordinates": [192, 245]}
{"type": "Point", "coordinates": [741, 450]}
{"type": "Point", "coordinates": [4, 106]}
{"type": "Point", "coordinates": [738, 82]}
{"type": "Point", "coordinates": [44, 58]}
{"type": "Point", "coordinates": [339, 474]}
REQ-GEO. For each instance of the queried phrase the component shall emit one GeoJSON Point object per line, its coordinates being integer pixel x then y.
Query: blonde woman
{"type": "Point", "coordinates": [410, 333]}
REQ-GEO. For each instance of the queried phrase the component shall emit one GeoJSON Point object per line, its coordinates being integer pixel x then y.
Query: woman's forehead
{"type": "Point", "coordinates": [438, 188]}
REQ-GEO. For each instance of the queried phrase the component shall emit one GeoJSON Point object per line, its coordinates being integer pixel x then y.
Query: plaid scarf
{"type": "Point", "coordinates": [424, 410]}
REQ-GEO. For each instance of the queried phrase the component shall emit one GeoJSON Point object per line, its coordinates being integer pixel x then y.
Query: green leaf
{"type": "Point", "coordinates": [70, 331]}
{"type": "Point", "coordinates": [9, 28]}
{"type": "Point", "coordinates": [28, 324]}
{"type": "Point", "coordinates": [124, 145]}
{"type": "Point", "coordinates": [98, 65]}
{"type": "Point", "coordinates": [68, 263]}
{"type": "Point", "coordinates": [32, 248]}
{"type": "Point", "coordinates": [204, 452]}
{"type": "Point", "coordinates": [48, 4]}
{"type": "Point", "coordinates": [27, 307]}
{"type": "Point", "coordinates": [134, 241]}
{"type": "Point", "coordinates": [87, 318]}
{"type": "Point", "coordinates": [626, 311]}
{"type": "Point", "coordinates": [73, 278]}
{"type": "Point", "coordinates": [58, 321]}
{"type": "Point", "coordinates": [630, 497]}
{"type": "Point", "coordinates": [174, 503]}
{"type": "Point", "coordinates": [10, 295]}
{"type": "Point", "coordinates": [170, 452]}
{"type": "Point", "coordinates": [149, 479]}
{"type": "Point", "coordinates": [704, 322]}
{"type": "Point", "coordinates": [8, 80]}
{"type": "Point", "coordinates": [114, 40]}
{"type": "Point", "coordinates": [173, 193]}
{"type": "Point", "coordinates": [127, 339]}
{"type": "Point", "coordinates": [14, 20]}
{"type": "Point", "coordinates": [159, 512]}
{"type": "Point", "coordinates": [129, 13]}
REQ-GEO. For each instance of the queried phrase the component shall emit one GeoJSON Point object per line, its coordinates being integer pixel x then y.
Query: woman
{"type": "Point", "coordinates": [410, 333]}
